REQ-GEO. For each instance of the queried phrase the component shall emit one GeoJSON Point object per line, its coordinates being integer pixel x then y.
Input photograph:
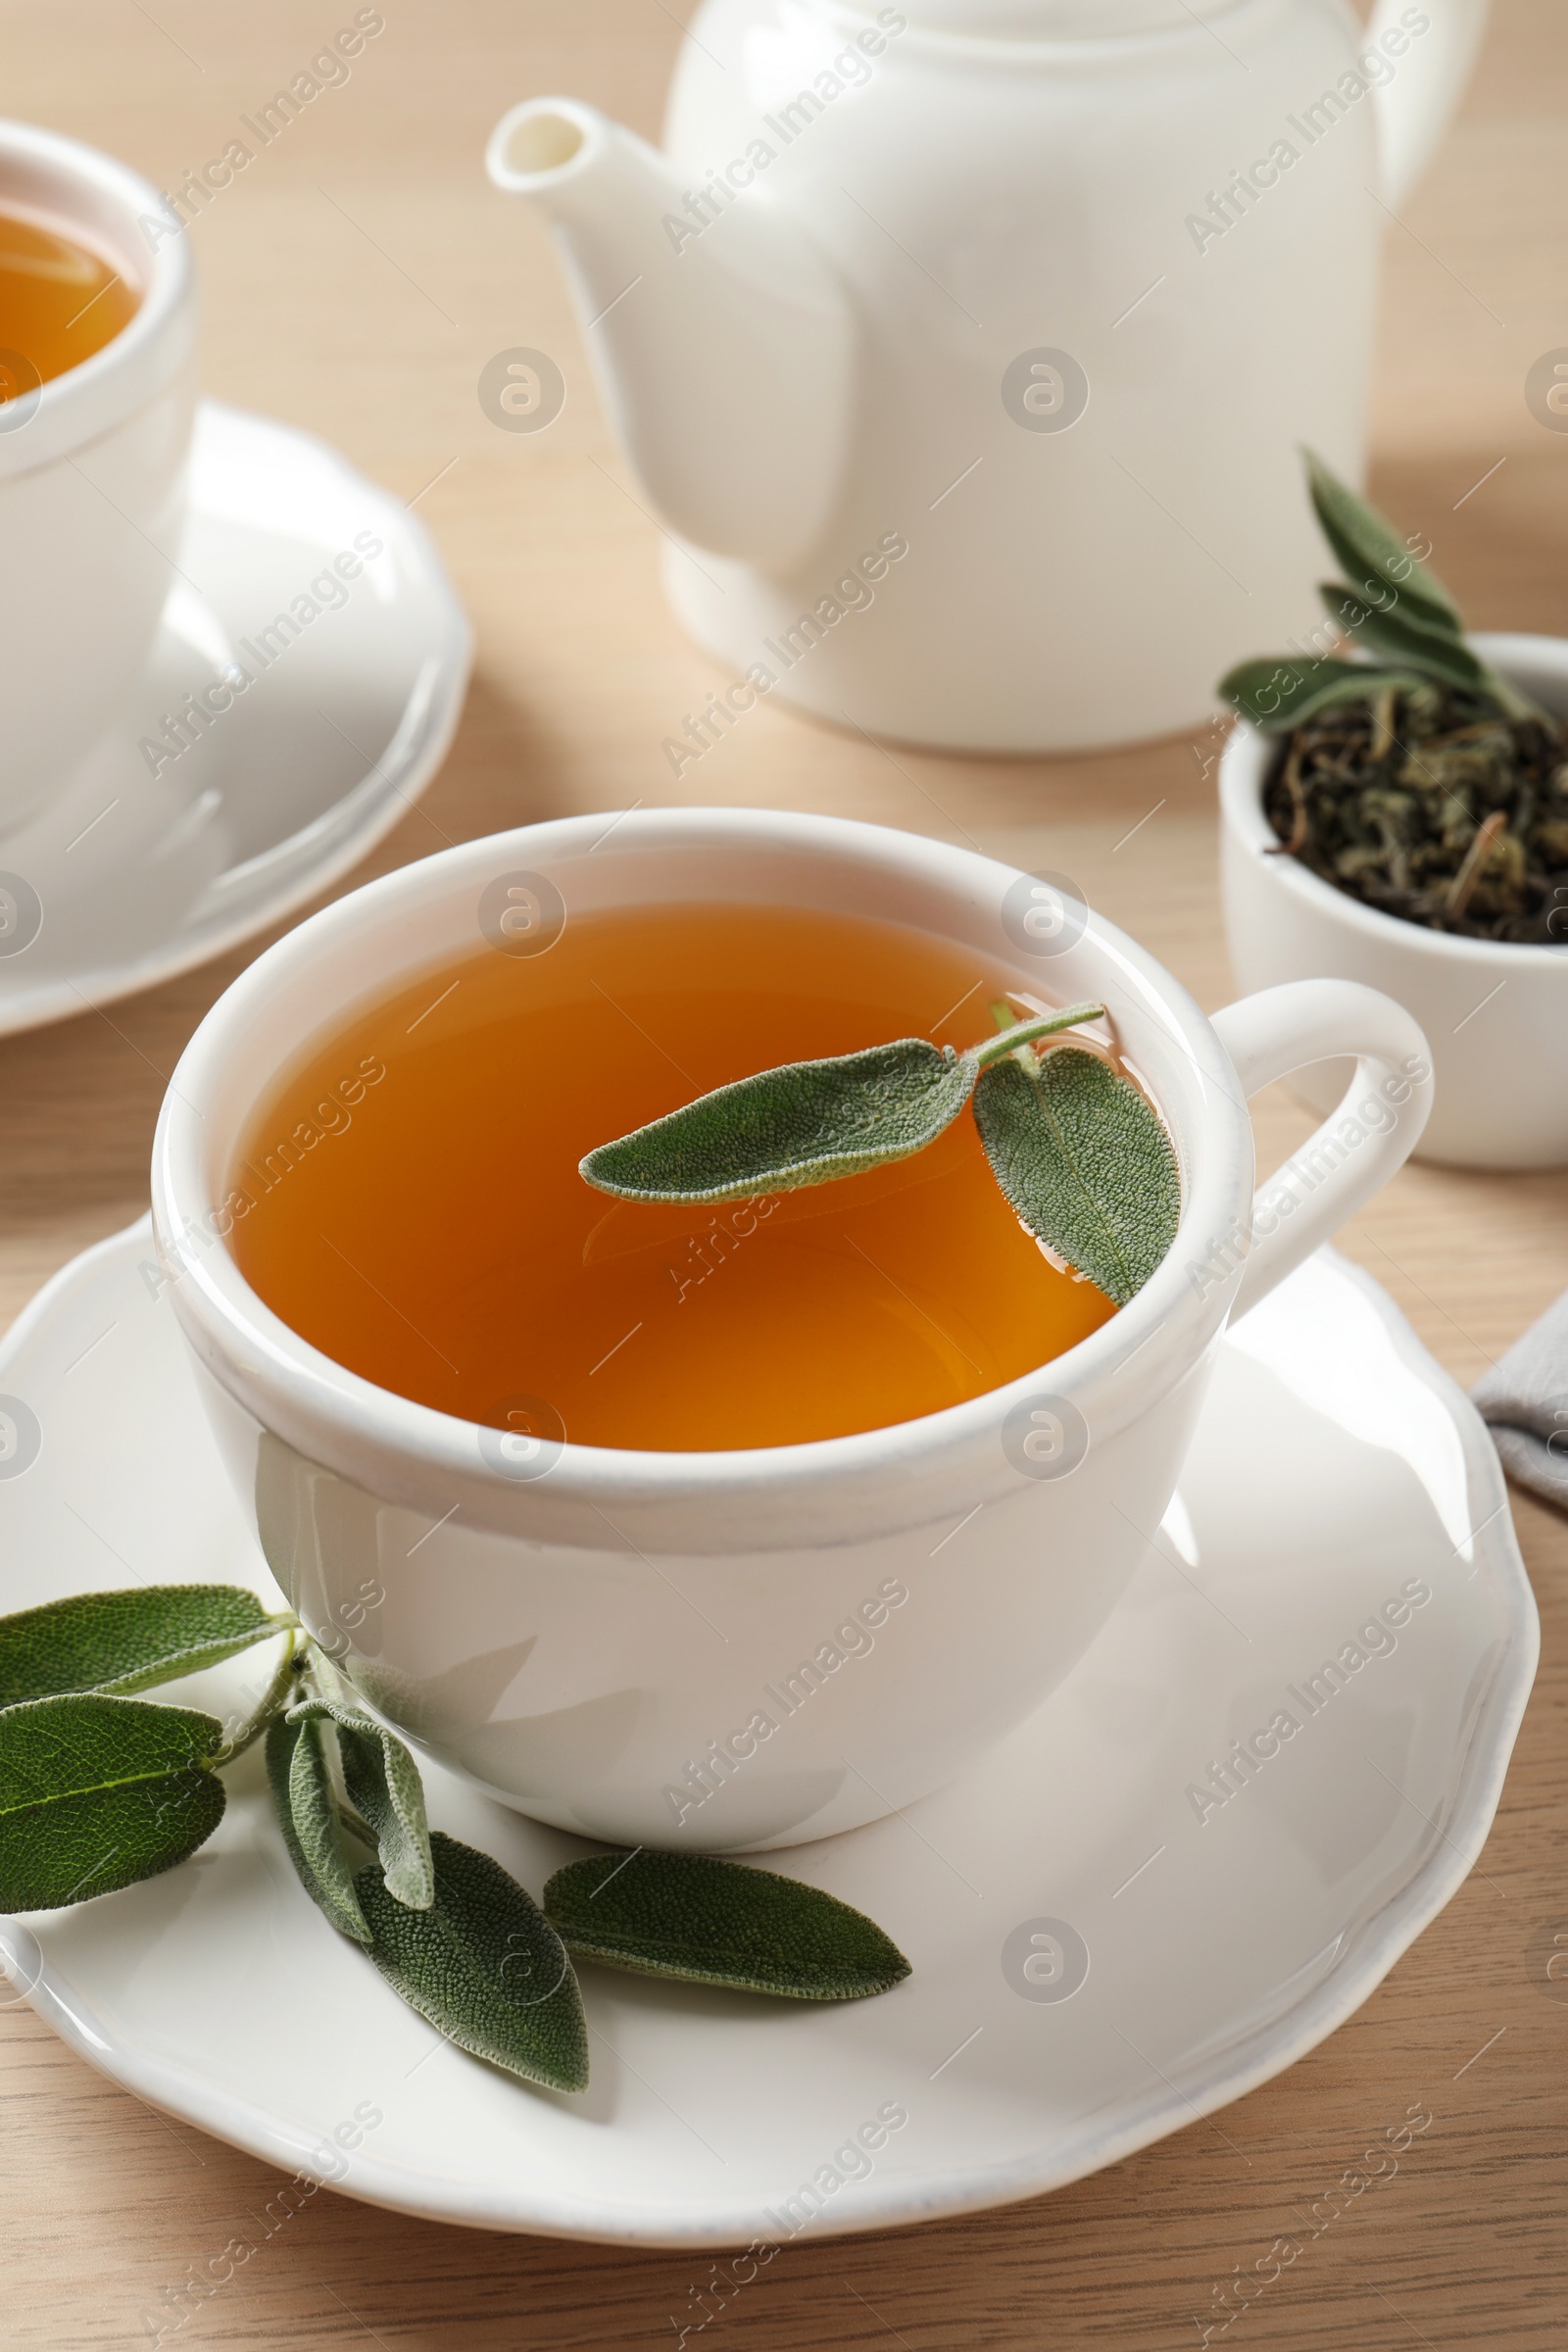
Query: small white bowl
{"type": "Point", "coordinates": [1495, 1015]}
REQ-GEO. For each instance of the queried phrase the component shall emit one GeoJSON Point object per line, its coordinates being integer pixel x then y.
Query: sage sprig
{"type": "Point", "coordinates": [98, 1790]}
{"type": "Point", "coordinates": [807, 1122]}
{"type": "Point", "coordinates": [1413, 777]}
{"type": "Point", "coordinates": [1079, 1151]}
{"type": "Point", "coordinates": [1388, 603]}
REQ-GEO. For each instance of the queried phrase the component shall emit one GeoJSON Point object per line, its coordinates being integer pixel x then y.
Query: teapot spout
{"type": "Point", "coordinates": [721, 338]}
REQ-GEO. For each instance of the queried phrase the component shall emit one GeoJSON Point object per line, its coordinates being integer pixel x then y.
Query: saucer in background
{"type": "Point", "coordinates": [131, 875]}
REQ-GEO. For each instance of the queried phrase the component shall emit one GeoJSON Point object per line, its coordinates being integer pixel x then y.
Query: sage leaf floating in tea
{"type": "Point", "coordinates": [382, 1782]}
{"type": "Point", "coordinates": [1083, 1160]}
{"type": "Point", "coordinates": [720, 1923]}
{"type": "Point", "coordinates": [1082, 1156]}
{"type": "Point", "coordinates": [806, 1122]}
{"type": "Point", "coordinates": [483, 1966]}
{"type": "Point", "coordinates": [119, 1642]}
{"type": "Point", "coordinates": [300, 1777]}
{"type": "Point", "coordinates": [97, 1792]}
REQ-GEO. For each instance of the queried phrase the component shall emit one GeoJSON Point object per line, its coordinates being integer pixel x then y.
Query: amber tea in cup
{"type": "Point", "coordinates": [409, 1200]}
{"type": "Point", "coordinates": [61, 300]}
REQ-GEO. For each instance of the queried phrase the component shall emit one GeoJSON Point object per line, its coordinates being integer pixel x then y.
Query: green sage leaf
{"type": "Point", "coordinates": [1083, 1157]}
{"type": "Point", "coordinates": [1406, 641]}
{"type": "Point", "coordinates": [806, 1122]}
{"type": "Point", "coordinates": [300, 1781]}
{"type": "Point", "coordinates": [124, 1641]}
{"type": "Point", "coordinates": [1276, 696]}
{"type": "Point", "coordinates": [720, 1923]}
{"type": "Point", "coordinates": [1447, 661]}
{"type": "Point", "coordinates": [1401, 613]}
{"type": "Point", "coordinates": [484, 1966]}
{"type": "Point", "coordinates": [1373, 553]}
{"type": "Point", "coordinates": [97, 1792]}
{"type": "Point", "coordinates": [382, 1782]}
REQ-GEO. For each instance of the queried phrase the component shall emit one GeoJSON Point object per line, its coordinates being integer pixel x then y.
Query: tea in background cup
{"type": "Point", "coordinates": [62, 298]}
{"type": "Point", "coordinates": [97, 393]}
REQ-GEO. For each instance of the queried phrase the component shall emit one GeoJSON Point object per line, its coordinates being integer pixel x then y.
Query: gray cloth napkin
{"type": "Point", "coordinates": [1525, 1399]}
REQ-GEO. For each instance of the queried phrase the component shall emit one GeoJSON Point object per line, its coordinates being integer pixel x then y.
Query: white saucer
{"type": "Point", "coordinates": [139, 877]}
{"type": "Point", "coordinates": [1335, 1462]}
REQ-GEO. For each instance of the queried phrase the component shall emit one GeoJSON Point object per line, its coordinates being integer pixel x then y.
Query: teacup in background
{"type": "Point", "coordinates": [92, 475]}
{"type": "Point", "coordinates": [743, 1650]}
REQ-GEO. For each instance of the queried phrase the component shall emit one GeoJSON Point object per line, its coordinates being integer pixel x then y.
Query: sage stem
{"type": "Point", "coordinates": [1039, 1024]}
{"type": "Point", "coordinates": [273, 1701]}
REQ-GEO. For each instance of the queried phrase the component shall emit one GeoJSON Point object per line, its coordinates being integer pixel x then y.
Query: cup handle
{"type": "Point", "coordinates": [1359, 1144]}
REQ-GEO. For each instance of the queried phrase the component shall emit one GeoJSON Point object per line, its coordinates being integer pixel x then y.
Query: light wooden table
{"type": "Point", "coordinates": [368, 319]}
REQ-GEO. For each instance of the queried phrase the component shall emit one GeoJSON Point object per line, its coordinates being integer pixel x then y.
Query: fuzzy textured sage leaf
{"type": "Point", "coordinates": [97, 1792]}
{"type": "Point", "coordinates": [483, 1966]}
{"type": "Point", "coordinates": [720, 1923]}
{"type": "Point", "coordinates": [1082, 1155]}
{"type": "Point", "coordinates": [1409, 644]}
{"type": "Point", "coordinates": [1391, 606]}
{"type": "Point", "coordinates": [382, 1782]}
{"type": "Point", "coordinates": [1376, 561]}
{"type": "Point", "coordinates": [1085, 1164]}
{"type": "Point", "coordinates": [119, 1642]}
{"type": "Point", "coordinates": [1276, 696]}
{"type": "Point", "coordinates": [300, 1777]}
{"type": "Point", "coordinates": [806, 1122]}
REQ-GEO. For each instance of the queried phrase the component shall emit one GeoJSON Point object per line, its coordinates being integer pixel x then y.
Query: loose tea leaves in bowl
{"type": "Point", "coordinates": [1417, 808]}
{"type": "Point", "coordinates": [1413, 778]}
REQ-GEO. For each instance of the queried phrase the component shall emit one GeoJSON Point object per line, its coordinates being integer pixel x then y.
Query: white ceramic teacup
{"type": "Point", "coordinates": [92, 471]}
{"type": "Point", "coordinates": [743, 1650]}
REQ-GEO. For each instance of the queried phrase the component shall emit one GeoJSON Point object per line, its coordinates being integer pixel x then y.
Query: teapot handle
{"type": "Point", "coordinates": [1416, 105]}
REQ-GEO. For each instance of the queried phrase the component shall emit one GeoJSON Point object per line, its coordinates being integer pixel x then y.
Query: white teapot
{"type": "Point", "coordinates": [967, 347]}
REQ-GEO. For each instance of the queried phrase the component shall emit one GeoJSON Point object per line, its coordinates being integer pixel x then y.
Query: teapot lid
{"type": "Point", "coordinates": [1056, 20]}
